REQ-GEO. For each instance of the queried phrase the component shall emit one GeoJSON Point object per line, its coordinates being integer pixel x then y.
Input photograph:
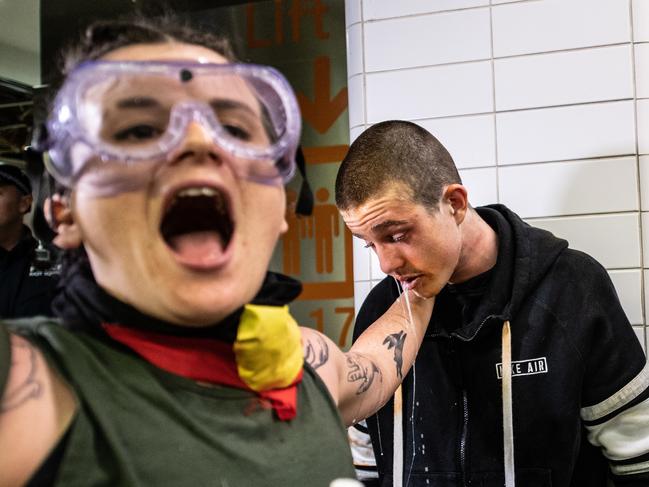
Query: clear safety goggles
{"type": "Point", "coordinates": [130, 112]}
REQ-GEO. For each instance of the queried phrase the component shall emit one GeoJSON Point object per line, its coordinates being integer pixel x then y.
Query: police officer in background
{"type": "Point", "coordinates": [28, 275]}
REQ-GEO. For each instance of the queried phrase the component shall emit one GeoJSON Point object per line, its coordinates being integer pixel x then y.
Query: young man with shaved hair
{"type": "Point", "coordinates": [530, 371]}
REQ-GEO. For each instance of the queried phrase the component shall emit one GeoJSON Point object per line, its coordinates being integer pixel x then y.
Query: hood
{"type": "Point", "coordinates": [525, 255]}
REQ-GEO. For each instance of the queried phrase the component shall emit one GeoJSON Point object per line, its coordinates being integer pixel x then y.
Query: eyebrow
{"type": "Point", "coordinates": [138, 102]}
{"type": "Point", "coordinates": [383, 226]}
{"type": "Point", "coordinates": [224, 104]}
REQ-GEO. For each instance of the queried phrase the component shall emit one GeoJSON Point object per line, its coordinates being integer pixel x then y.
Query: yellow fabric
{"type": "Point", "coordinates": [268, 348]}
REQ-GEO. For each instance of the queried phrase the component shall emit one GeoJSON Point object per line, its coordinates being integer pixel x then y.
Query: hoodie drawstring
{"type": "Point", "coordinates": [397, 434]}
{"type": "Point", "coordinates": [508, 426]}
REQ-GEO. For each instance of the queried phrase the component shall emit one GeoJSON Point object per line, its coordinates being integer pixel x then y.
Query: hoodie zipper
{"type": "Point", "coordinates": [465, 429]}
{"type": "Point", "coordinates": [465, 413]}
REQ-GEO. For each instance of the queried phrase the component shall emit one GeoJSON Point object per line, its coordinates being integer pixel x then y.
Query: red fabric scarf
{"type": "Point", "coordinates": [200, 359]}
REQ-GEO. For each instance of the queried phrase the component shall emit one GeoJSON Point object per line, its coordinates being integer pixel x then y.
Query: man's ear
{"type": "Point", "coordinates": [457, 198]}
{"type": "Point", "coordinates": [59, 216]}
{"type": "Point", "coordinates": [25, 203]}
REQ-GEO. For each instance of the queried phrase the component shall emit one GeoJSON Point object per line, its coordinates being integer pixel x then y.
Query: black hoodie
{"type": "Point", "coordinates": [578, 368]}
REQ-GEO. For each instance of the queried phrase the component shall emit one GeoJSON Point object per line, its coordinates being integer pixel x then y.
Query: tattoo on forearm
{"type": "Point", "coordinates": [316, 354]}
{"type": "Point", "coordinates": [361, 373]}
{"type": "Point", "coordinates": [28, 387]}
{"type": "Point", "coordinates": [396, 341]}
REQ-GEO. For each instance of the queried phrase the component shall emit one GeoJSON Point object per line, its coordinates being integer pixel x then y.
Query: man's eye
{"type": "Point", "coordinates": [137, 133]}
{"type": "Point", "coordinates": [237, 132]}
{"type": "Point", "coordinates": [398, 237]}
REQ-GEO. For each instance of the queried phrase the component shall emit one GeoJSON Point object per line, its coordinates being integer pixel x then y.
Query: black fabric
{"type": "Point", "coordinates": [576, 345]}
{"type": "Point", "coordinates": [83, 305]}
{"type": "Point", "coordinates": [26, 287]}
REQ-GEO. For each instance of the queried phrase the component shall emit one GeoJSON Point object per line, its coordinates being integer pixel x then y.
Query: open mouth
{"type": "Point", "coordinates": [409, 282]}
{"type": "Point", "coordinates": [197, 226]}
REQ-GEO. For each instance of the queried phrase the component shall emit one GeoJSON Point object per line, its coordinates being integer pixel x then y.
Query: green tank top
{"type": "Point", "coordinates": [139, 426]}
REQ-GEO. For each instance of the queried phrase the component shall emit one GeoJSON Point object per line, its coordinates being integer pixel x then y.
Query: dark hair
{"type": "Point", "coordinates": [395, 151]}
{"type": "Point", "coordinates": [102, 37]}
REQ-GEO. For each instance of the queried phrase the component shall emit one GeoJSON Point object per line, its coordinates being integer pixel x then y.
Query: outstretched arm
{"type": "Point", "coordinates": [35, 409]}
{"type": "Point", "coordinates": [362, 380]}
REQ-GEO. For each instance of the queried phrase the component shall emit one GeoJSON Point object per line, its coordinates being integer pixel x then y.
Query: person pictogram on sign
{"type": "Point", "coordinates": [327, 225]}
{"type": "Point", "coordinates": [299, 227]}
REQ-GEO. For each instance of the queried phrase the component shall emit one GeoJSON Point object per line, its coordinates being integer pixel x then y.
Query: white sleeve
{"type": "Point", "coordinates": [362, 452]}
{"type": "Point", "coordinates": [619, 425]}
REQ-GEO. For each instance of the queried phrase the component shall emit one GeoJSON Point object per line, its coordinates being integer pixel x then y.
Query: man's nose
{"type": "Point", "coordinates": [390, 258]}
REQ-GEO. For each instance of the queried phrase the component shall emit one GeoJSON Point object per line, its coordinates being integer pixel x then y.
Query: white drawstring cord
{"type": "Point", "coordinates": [397, 430]}
{"type": "Point", "coordinates": [508, 425]}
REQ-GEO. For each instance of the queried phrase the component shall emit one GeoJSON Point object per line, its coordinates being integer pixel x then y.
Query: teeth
{"type": "Point", "coordinates": [200, 191]}
{"type": "Point", "coordinates": [204, 191]}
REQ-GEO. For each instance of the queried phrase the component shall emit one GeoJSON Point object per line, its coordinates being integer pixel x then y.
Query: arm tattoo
{"type": "Point", "coordinates": [316, 355]}
{"type": "Point", "coordinates": [363, 374]}
{"type": "Point", "coordinates": [397, 340]}
{"type": "Point", "coordinates": [29, 387]}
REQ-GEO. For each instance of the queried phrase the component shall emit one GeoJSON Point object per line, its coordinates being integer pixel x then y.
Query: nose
{"type": "Point", "coordinates": [196, 145]}
{"type": "Point", "coordinates": [390, 258]}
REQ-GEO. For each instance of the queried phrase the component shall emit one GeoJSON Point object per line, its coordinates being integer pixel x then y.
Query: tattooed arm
{"type": "Point", "coordinates": [362, 380]}
{"type": "Point", "coordinates": [35, 409]}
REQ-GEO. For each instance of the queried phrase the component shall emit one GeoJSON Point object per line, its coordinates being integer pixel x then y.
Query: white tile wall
{"type": "Point", "coordinates": [628, 285]}
{"type": "Point", "coordinates": [481, 185]}
{"type": "Point", "coordinates": [640, 332]}
{"type": "Point", "coordinates": [361, 290]}
{"type": "Point", "coordinates": [355, 132]}
{"type": "Point", "coordinates": [642, 70]}
{"type": "Point", "coordinates": [552, 25]}
{"type": "Point", "coordinates": [644, 183]}
{"type": "Point", "coordinates": [352, 12]}
{"type": "Point", "coordinates": [573, 132]}
{"type": "Point", "coordinates": [564, 78]}
{"type": "Point", "coordinates": [356, 103]}
{"type": "Point", "coordinates": [643, 126]}
{"type": "Point", "coordinates": [381, 9]}
{"type": "Point", "coordinates": [471, 140]}
{"type": "Point", "coordinates": [354, 50]}
{"type": "Point", "coordinates": [427, 40]}
{"type": "Point", "coordinates": [539, 108]}
{"type": "Point", "coordinates": [429, 92]}
{"type": "Point", "coordinates": [614, 239]}
{"type": "Point", "coordinates": [645, 238]}
{"type": "Point", "coordinates": [375, 266]}
{"type": "Point", "coordinates": [361, 258]}
{"type": "Point", "coordinates": [640, 20]}
{"type": "Point", "coordinates": [570, 188]}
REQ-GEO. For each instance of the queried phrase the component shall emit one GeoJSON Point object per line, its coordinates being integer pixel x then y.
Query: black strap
{"type": "Point", "coordinates": [304, 205]}
{"type": "Point", "coordinates": [41, 190]}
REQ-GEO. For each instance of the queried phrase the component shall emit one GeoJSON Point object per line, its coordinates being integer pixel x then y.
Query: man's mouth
{"type": "Point", "coordinates": [409, 282]}
{"type": "Point", "coordinates": [197, 226]}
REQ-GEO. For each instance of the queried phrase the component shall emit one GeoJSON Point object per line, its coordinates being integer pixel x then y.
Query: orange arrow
{"type": "Point", "coordinates": [323, 111]}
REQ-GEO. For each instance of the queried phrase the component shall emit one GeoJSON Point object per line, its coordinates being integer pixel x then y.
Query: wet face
{"type": "Point", "coordinates": [13, 205]}
{"type": "Point", "coordinates": [418, 246]}
{"type": "Point", "coordinates": [194, 244]}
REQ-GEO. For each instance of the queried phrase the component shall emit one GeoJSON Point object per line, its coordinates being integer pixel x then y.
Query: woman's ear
{"type": "Point", "coordinates": [59, 217]}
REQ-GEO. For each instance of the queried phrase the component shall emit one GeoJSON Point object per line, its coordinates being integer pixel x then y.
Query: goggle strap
{"type": "Point", "coordinates": [304, 205]}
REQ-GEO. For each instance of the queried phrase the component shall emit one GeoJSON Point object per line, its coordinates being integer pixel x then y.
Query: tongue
{"type": "Point", "coordinates": [198, 249]}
